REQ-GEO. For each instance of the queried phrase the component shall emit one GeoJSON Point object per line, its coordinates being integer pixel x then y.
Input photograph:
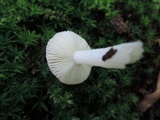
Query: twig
{"type": "Point", "coordinates": [158, 81]}
{"type": "Point", "coordinates": [149, 100]}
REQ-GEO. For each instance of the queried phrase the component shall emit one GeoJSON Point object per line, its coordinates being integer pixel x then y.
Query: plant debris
{"type": "Point", "coordinates": [150, 99]}
{"type": "Point", "coordinates": [119, 24]}
{"type": "Point", "coordinates": [157, 41]}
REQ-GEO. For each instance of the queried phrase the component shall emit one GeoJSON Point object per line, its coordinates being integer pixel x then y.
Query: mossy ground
{"type": "Point", "coordinates": [29, 91]}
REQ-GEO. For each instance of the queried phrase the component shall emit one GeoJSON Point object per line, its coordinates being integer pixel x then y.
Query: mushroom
{"type": "Point", "coordinates": [70, 58]}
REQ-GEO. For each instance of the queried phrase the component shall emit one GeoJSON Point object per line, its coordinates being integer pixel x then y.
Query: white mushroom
{"type": "Point", "coordinates": [70, 58]}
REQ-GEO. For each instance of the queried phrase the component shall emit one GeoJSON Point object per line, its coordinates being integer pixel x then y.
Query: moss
{"type": "Point", "coordinates": [29, 91]}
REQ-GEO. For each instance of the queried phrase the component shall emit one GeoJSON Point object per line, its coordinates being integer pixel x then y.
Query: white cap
{"type": "Point", "coordinates": [59, 54]}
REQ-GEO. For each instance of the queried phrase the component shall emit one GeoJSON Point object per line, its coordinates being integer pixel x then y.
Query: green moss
{"type": "Point", "coordinates": [29, 91]}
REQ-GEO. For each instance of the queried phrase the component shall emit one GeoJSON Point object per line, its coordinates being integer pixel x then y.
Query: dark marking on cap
{"type": "Point", "coordinates": [109, 54]}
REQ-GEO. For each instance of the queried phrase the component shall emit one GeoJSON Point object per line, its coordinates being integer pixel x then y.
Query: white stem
{"type": "Point", "coordinates": [125, 53]}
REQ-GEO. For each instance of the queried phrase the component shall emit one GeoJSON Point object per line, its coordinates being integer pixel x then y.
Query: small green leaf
{"type": "Point", "coordinates": [2, 76]}
{"type": "Point", "coordinates": [42, 104]}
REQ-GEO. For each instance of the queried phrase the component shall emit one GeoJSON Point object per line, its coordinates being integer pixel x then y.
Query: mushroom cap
{"type": "Point", "coordinates": [59, 54]}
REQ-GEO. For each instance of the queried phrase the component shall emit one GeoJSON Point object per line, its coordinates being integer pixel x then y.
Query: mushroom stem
{"type": "Point", "coordinates": [111, 57]}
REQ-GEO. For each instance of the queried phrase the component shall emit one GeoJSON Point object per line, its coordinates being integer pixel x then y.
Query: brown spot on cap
{"type": "Point", "coordinates": [109, 54]}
